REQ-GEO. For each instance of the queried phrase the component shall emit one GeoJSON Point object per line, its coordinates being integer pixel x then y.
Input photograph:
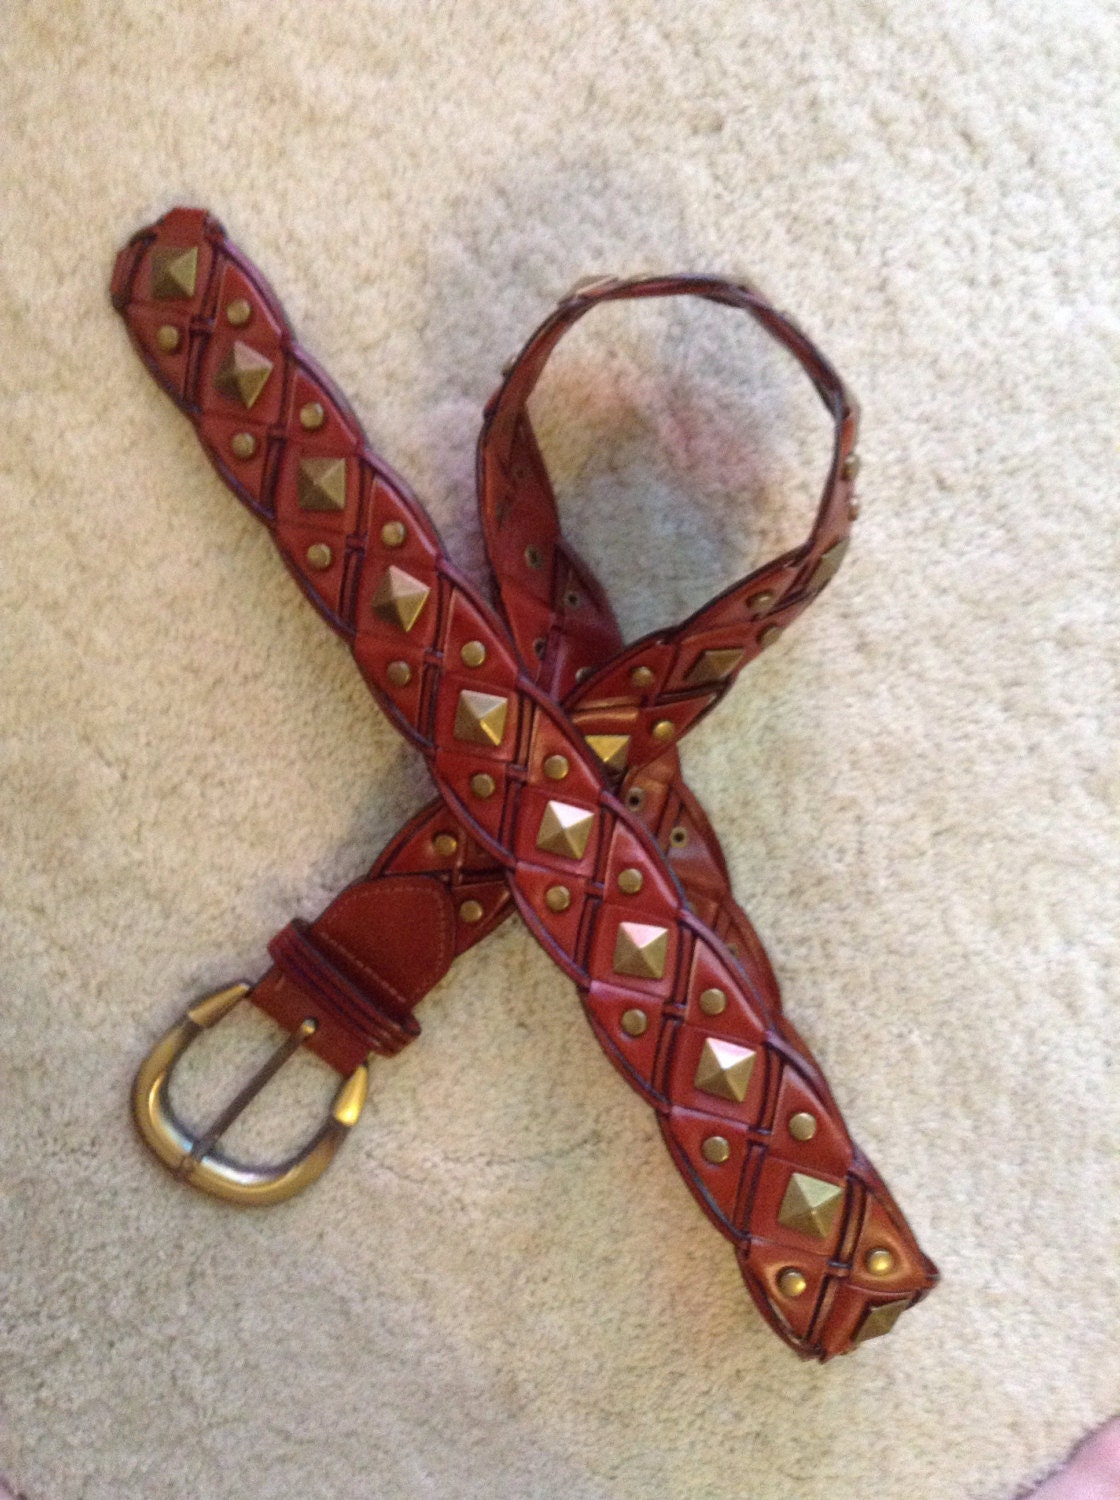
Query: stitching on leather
{"type": "Point", "coordinates": [421, 884]}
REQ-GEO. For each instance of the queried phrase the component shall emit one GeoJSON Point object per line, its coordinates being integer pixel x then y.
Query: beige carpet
{"type": "Point", "coordinates": [503, 1290]}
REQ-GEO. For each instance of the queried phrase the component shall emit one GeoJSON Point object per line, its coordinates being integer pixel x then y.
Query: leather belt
{"type": "Point", "coordinates": [554, 750]}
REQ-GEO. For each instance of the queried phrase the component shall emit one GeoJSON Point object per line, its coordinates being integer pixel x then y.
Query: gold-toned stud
{"type": "Point", "coordinates": [880, 1320]}
{"type": "Point", "coordinates": [239, 312]}
{"type": "Point", "coordinates": [630, 881]}
{"type": "Point", "coordinates": [471, 911]}
{"type": "Point", "coordinates": [850, 467]}
{"type": "Point", "coordinates": [769, 636]}
{"type": "Point", "coordinates": [533, 557]}
{"type": "Point", "coordinates": [322, 484]}
{"type": "Point", "coordinates": [167, 338]}
{"type": "Point", "coordinates": [803, 1125]}
{"type": "Point", "coordinates": [853, 508]}
{"type": "Point", "coordinates": [312, 416]}
{"type": "Point", "coordinates": [174, 271]}
{"type": "Point", "coordinates": [558, 898]}
{"type": "Point", "coordinates": [641, 950]}
{"type": "Point", "coordinates": [679, 837]}
{"type": "Point", "coordinates": [565, 830]}
{"type": "Point", "coordinates": [319, 556]}
{"type": "Point", "coordinates": [480, 718]}
{"type": "Point", "coordinates": [664, 729]}
{"type": "Point", "coordinates": [399, 673]}
{"type": "Point", "coordinates": [244, 374]}
{"type": "Point", "coordinates": [759, 603]}
{"type": "Point", "coordinates": [393, 534]}
{"type": "Point", "coordinates": [713, 1002]}
{"type": "Point", "coordinates": [714, 666]}
{"type": "Point", "coordinates": [634, 1022]}
{"type": "Point", "coordinates": [810, 1206]}
{"type": "Point", "coordinates": [642, 677]}
{"type": "Point", "coordinates": [445, 845]}
{"type": "Point", "coordinates": [400, 598]}
{"type": "Point", "coordinates": [791, 1283]}
{"type": "Point", "coordinates": [556, 767]}
{"type": "Point", "coordinates": [828, 566]}
{"type": "Point", "coordinates": [473, 654]}
{"type": "Point", "coordinates": [611, 749]}
{"type": "Point", "coordinates": [242, 445]}
{"type": "Point", "coordinates": [724, 1070]}
{"type": "Point", "coordinates": [483, 785]}
{"type": "Point", "coordinates": [880, 1261]}
{"type": "Point", "coordinates": [715, 1149]}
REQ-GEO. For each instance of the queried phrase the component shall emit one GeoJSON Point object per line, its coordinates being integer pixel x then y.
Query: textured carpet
{"type": "Point", "coordinates": [502, 1289]}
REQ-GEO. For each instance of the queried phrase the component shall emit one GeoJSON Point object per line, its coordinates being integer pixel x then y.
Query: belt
{"type": "Point", "coordinates": [553, 747]}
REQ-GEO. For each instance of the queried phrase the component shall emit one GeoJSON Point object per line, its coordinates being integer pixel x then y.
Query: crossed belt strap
{"type": "Point", "coordinates": [554, 750]}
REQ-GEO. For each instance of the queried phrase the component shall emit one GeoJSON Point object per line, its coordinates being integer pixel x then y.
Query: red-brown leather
{"type": "Point", "coordinates": [556, 656]}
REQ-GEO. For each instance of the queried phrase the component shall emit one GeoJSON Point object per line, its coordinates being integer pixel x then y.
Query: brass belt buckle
{"type": "Point", "coordinates": [196, 1160]}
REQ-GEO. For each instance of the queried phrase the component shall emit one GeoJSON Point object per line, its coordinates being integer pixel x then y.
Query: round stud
{"type": "Point", "coordinates": [769, 636]}
{"type": "Point", "coordinates": [572, 599]}
{"type": "Point", "coordinates": [715, 1149]}
{"type": "Point", "coordinates": [311, 416]}
{"type": "Point", "coordinates": [642, 677]}
{"type": "Point", "coordinates": [853, 508]}
{"type": "Point", "coordinates": [664, 729]}
{"type": "Point", "coordinates": [483, 785]}
{"type": "Point", "coordinates": [630, 881]}
{"type": "Point", "coordinates": [556, 767]}
{"type": "Point", "coordinates": [319, 556]}
{"type": "Point", "coordinates": [635, 798]}
{"type": "Point", "coordinates": [473, 654]}
{"type": "Point", "coordinates": [239, 312]}
{"type": "Point", "coordinates": [399, 673]}
{"type": "Point", "coordinates": [393, 534]}
{"type": "Point", "coordinates": [471, 911]}
{"type": "Point", "coordinates": [791, 1283]}
{"type": "Point", "coordinates": [880, 1262]}
{"type": "Point", "coordinates": [850, 467]}
{"type": "Point", "coordinates": [584, 673]}
{"type": "Point", "coordinates": [242, 445]}
{"type": "Point", "coordinates": [634, 1022]}
{"type": "Point", "coordinates": [533, 557]}
{"type": "Point", "coordinates": [167, 338]}
{"type": "Point", "coordinates": [445, 845]}
{"type": "Point", "coordinates": [758, 604]}
{"type": "Point", "coordinates": [679, 837]}
{"type": "Point", "coordinates": [713, 1002]}
{"type": "Point", "coordinates": [558, 898]}
{"type": "Point", "coordinates": [803, 1125]}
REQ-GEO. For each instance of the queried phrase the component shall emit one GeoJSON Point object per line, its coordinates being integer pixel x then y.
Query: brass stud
{"type": "Point", "coordinates": [769, 636]}
{"type": "Point", "coordinates": [610, 749]}
{"type": "Point", "coordinates": [399, 673]}
{"type": "Point", "coordinates": [715, 1149]}
{"type": "Point", "coordinates": [393, 534]}
{"type": "Point", "coordinates": [244, 374]}
{"type": "Point", "coordinates": [533, 557]}
{"type": "Point", "coordinates": [641, 950]}
{"type": "Point", "coordinates": [445, 845]}
{"type": "Point", "coordinates": [679, 837]}
{"type": "Point", "coordinates": [322, 484]}
{"type": "Point", "coordinates": [853, 508]}
{"type": "Point", "coordinates": [634, 1022]}
{"type": "Point", "coordinates": [850, 467]}
{"type": "Point", "coordinates": [803, 1125]}
{"type": "Point", "coordinates": [174, 271]}
{"type": "Point", "coordinates": [167, 337]}
{"type": "Point", "coordinates": [319, 556]}
{"type": "Point", "coordinates": [630, 881]}
{"type": "Point", "coordinates": [556, 767]}
{"type": "Point", "coordinates": [482, 785]}
{"type": "Point", "coordinates": [664, 729]}
{"type": "Point", "coordinates": [471, 911]}
{"type": "Point", "coordinates": [312, 416]}
{"type": "Point", "coordinates": [565, 830]}
{"type": "Point", "coordinates": [759, 603]}
{"type": "Point", "coordinates": [642, 677]}
{"type": "Point", "coordinates": [400, 598]}
{"type": "Point", "coordinates": [243, 445]}
{"type": "Point", "coordinates": [880, 1320]}
{"type": "Point", "coordinates": [791, 1283]}
{"type": "Point", "coordinates": [810, 1206]}
{"type": "Point", "coordinates": [473, 654]}
{"type": "Point", "coordinates": [583, 673]}
{"type": "Point", "coordinates": [714, 666]}
{"type": "Point", "coordinates": [880, 1261]}
{"type": "Point", "coordinates": [480, 718]}
{"type": "Point", "coordinates": [828, 565]}
{"type": "Point", "coordinates": [724, 1070]}
{"type": "Point", "coordinates": [558, 898]}
{"type": "Point", "coordinates": [713, 1002]}
{"type": "Point", "coordinates": [239, 312]}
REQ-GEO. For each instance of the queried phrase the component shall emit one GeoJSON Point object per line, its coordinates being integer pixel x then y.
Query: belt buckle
{"type": "Point", "coordinates": [195, 1159]}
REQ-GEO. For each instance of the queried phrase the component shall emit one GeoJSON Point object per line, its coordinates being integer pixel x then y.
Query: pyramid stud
{"type": "Point", "coordinates": [322, 484]}
{"type": "Point", "coordinates": [641, 950]}
{"type": "Point", "coordinates": [714, 666]}
{"type": "Point", "coordinates": [244, 374]}
{"type": "Point", "coordinates": [810, 1206]}
{"type": "Point", "coordinates": [880, 1320]}
{"type": "Point", "coordinates": [174, 271]}
{"type": "Point", "coordinates": [724, 1070]}
{"type": "Point", "coordinates": [400, 598]}
{"type": "Point", "coordinates": [565, 830]}
{"type": "Point", "coordinates": [828, 566]}
{"type": "Point", "coordinates": [611, 749]}
{"type": "Point", "coordinates": [480, 718]}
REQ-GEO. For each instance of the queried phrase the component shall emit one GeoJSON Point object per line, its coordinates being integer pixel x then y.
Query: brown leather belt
{"type": "Point", "coordinates": [554, 750]}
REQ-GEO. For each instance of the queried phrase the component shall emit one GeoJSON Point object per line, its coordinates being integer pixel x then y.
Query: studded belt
{"type": "Point", "coordinates": [554, 751]}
